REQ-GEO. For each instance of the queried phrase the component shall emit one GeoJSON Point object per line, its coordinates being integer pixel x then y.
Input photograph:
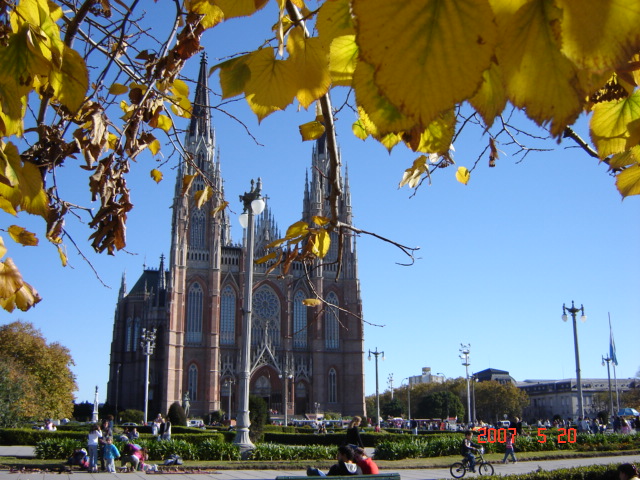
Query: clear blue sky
{"type": "Point", "coordinates": [497, 257]}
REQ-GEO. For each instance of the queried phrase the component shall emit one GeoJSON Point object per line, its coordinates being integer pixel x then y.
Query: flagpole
{"type": "Point", "coordinates": [612, 354]}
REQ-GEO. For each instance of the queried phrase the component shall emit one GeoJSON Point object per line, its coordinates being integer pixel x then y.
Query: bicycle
{"type": "Point", "coordinates": [459, 469]}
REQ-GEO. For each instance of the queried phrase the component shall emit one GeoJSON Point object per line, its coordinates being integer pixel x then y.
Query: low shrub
{"type": "Point", "coordinates": [273, 451]}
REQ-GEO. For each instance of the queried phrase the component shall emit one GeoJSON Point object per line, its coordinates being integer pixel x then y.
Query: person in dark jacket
{"type": "Point", "coordinates": [345, 465]}
{"type": "Point", "coordinates": [353, 433]}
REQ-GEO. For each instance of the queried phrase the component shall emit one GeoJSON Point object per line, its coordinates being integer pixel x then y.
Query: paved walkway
{"type": "Point", "coordinates": [405, 474]}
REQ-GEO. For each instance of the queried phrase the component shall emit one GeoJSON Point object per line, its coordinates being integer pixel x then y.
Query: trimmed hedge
{"type": "Point", "coordinates": [593, 472]}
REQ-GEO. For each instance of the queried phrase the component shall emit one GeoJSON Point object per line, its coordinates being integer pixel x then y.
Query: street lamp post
{"type": "Point", "coordinates": [148, 344]}
{"type": "Point", "coordinates": [228, 383]}
{"type": "Point", "coordinates": [408, 379]}
{"type": "Point", "coordinates": [253, 205]}
{"type": "Point", "coordinates": [286, 374]}
{"type": "Point", "coordinates": [377, 354]}
{"type": "Point", "coordinates": [608, 359]}
{"type": "Point", "coordinates": [573, 311]}
{"type": "Point", "coordinates": [464, 356]}
{"type": "Point", "coordinates": [390, 381]}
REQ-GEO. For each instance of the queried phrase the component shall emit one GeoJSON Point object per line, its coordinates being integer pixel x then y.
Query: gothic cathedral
{"type": "Point", "coordinates": [313, 363]}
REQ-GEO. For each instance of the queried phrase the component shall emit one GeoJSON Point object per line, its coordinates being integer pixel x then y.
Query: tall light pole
{"type": "Point", "coordinates": [228, 383]}
{"type": "Point", "coordinates": [464, 356]}
{"type": "Point", "coordinates": [573, 311]}
{"type": "Point", "coordinates": [408, 379]}
{"type": "Point", "coordinates": [286, 374]}
{"type": "Point", "coordinates": [390, 382]}
{"type": "Point", "coordinates": [253, 205]}
{"type": "Point", "coordinates": [377, 354]}
{"type": "Point", "coordinates": [608, 359]}
{"type": "Point", "coordinates": [148, 343]}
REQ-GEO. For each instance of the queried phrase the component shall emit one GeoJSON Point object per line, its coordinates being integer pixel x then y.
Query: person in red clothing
{"type": "Point", "coordinates": [367, 464]}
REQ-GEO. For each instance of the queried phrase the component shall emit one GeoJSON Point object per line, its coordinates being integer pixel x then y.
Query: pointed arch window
{"type": "Point", "coordinates": [136, 335]}
{"type": "Point", "coordinates": [197, 230]}
{"type": "Point", "coordinates": [228, 316]}
{"type": "Point", "coordinates": [266, 317]}
{"type": "Point", "coordinates": [194, 314]}
{"type": "Point", "coordinates": [299, 321]}
{"type": "Point", "coordinates": [192, 381]}
{"type": "Point", "coordinates": [332, 386]}
{"type": "Point", "coordinates": [331, 325]}
{"type": "Point", "coordinates": [128, 335]}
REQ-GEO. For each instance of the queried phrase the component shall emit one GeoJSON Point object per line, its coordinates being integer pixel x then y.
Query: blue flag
{"type": "Point", "coordinates": [612, 346]}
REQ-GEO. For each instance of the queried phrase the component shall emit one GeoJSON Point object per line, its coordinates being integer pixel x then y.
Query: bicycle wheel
{"type": "Point", "coordinates": [457, 470]}
{"type": "Point", "coordinates": [485, 469]}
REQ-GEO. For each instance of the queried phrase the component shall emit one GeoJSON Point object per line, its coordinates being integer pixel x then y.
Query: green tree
{"type": "Point", "coordinates": [392, 408]}
{"type": "Point", "coordinates": [12, 385]}
{"type": "Point", "coordinates": [176, 414]}
{"type": "Point", "coordinates": [494, 400]}
{"type": "Point", "coordinates": [45, 369]}
{"type": "Point", "coordinates": [440, 405]}
{"type": "Point", "coordinates": [132, 415]}
{"type": "Point", "coordinates": [83, 412]}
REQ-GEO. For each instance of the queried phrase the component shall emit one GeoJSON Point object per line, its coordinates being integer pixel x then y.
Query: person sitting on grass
{"type": "Point", "coordinates": [367, 464]}
{"type": "Point", "coordinates": [345, 465]}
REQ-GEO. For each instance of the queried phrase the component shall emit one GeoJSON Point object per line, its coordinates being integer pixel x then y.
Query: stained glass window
{"type": "Point", "coordinates": [331, 324]}
{"type": "Point", "coordinates": [333, 386]}
{"type": "Point", "coordinates": [299, 321]}
{"type": "Point", "coordinates": [136, 335]}
{"type": "Point", "coordinates": [194, 314]}
{"type": "Point", "coordinates": [227, 316]}
{"type": "Point", "coordinates": [197, 230]}
{"type": "Point", "coordinates": [193, 383]}
{"type": "Point", "coordinates": [128, 335]}
{"type": "Point", "coordinates": [266, 317]}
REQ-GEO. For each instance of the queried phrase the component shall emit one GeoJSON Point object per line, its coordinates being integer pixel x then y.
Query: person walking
{"type": "Point", "coordinates": [93, 439]}
{"type": "Point", "coordinates": [353, 433]}
{"type": "Point", "coordinates": [509, 448]}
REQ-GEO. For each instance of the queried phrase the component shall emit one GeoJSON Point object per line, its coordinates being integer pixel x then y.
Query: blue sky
{"type": "Point", "coordinates": [498, 257]}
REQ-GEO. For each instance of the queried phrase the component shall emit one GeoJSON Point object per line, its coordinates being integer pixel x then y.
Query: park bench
{"type": "Point", "coordinates": [377, 476]}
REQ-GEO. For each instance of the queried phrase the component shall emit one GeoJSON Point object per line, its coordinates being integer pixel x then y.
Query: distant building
{"type": "Point", "coordinates": [548, 398]}
{"type": "Point", "coordinates": [493, 374]}
{"type": "Point", "coordinates": [426, 377]}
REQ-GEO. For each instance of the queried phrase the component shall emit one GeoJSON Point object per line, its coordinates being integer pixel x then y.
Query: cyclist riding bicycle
{"type": "Point", "coordinates": [467, 448]}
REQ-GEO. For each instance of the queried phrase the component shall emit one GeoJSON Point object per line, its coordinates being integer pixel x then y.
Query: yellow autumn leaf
{"type": "Point", "coordinates": [334, 20]}
{"type": "Point", "coordinates": [343, 59]}
{"type": "Point", "coordinates": [413, 174]}
{"type": "Point", "coordinates": [491, 99]}
{"type": "Point", "coordinates": [297, 230]}
{"type": "Point", "coordinates": [428, 55]}
{"type": "Point", "coordinates": [602, 36]}
{"type": "Point", "coordinates": [212, 13]}
{"type": "Point", "coordinates": [28, 194]}
{"type": "Point", "coordinates": [25, 298]}
{"type": "Point", "coordinates": [187, 181]}
{"type": "Point", "coordinates": [10, 279]}
{"type": "Point", "coordinates": [154, 146]}
{"type": "Point", "coordinates": [463, 175]}
{"type": "Point", "coordinates": [3, 249]}
{"type": "Point", "coordinates": [164, 123]}
{"type": "Point", "coordinates": [71, 82]}
{"type": "Point", "coordinates": [265, 258]}
{"type": "Point", "coordinates": [436, 138]}
{"type": "Point", "coordinates": [311, 302]}
{"type": "Point", "coordinates": [614, 125]}
{"type": "Point", "coordinates": [234, 74]}
{"type": "Point", "coordinates": [320, 241]}
{"type": "Point", "coordinates": [386, 117]}
{"type": "Point", "coordinates": [311, 130]}
{"type": "Point", "coordinates": [201, 196]}
{"type": "Point", "coordinates": [625, 159]}
{"type": "Point", "coordinates": [628, 181]}
{"type": "Point", "coordinates": [271, 86]}
{"type": "Point", "coordinates": [364, 127]}
{"type": "Point", "coordinates": [276, 243]}
{"type": "Point", "coordinates": [118, 89]}
{"type": "Point", "coordinates": [63, 256]}
{"type": "Point", "coordinates": [538, 77]}
{"type": "Point", "coordinates": [22, 236]}
{"type": "Point", "coordinates": [156, 175]}
{"type": "Point", "coordinates": [239, 8]}
{"type": "Point", "coordinates": [219, 208]}
{"type": "Point", "coordinates": [311, 66]}
{"type": "Point", "coordinates": [318, 220]}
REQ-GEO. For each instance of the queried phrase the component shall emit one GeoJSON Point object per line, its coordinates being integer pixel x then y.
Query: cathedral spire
{"type": "Point", "coordinates": [123, 287]}
{"type": "Point", "coordinates": [201, 115]}
{"type": "Point", "coordinates": [162, 280]}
